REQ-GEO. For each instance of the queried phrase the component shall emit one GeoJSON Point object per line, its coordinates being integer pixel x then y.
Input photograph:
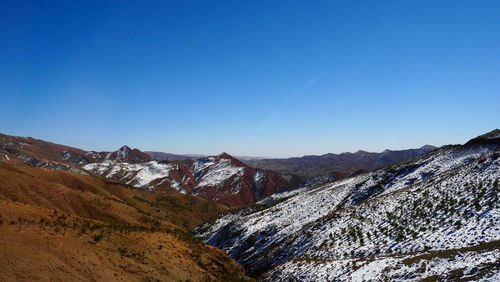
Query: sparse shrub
{"type": "Point", "coordinates": [95, 226]}
{"type": "Point", "coordinates": [477, 206]}
{"type": "Point", "coordinates": [98, 237]}
{"type": "Point", "coordinates": [123, 251]}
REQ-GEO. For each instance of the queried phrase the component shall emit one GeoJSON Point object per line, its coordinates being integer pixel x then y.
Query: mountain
{"type": "Point", "coordinates": [230, 181]}
{"type": "Point", "coordinates": [124, 154]}
{"type": "Point", "coordinates": [39, 153]}
{"type": "Point", "coordinates": [345, 163]}
{"type": "Point", "coordinates": [435, 217]}
{"type": "Point", "coordinates": [219, 178]}
{"type": "Point", "coordinates": [152, 175]}
{"type": "Point", "coordinates": [161, 156]}
{"type": "Point", "coordinates": [59, 225]}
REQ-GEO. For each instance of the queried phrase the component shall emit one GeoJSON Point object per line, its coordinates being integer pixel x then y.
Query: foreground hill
{"type": "Point", "coordinates": [59, 225]}
{"type": "Point", "coordinates": [434, 217]}
{"type": "Point", "coordinates": [345, 163]}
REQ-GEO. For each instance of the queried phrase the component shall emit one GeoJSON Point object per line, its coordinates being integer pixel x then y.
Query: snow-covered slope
{"type": "Point", "coordinates": [144, 175]}
{"type": "Point", "coordinates": [226, 179]}
{"type": "Point", "coordinates": [221, 178]}
{"type": "Point", "coordinates": [434, 215]}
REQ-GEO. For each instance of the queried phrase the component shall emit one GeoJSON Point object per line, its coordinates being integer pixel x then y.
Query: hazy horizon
{"type": "Point", "coordinates": [259, 78]}
{"type": "Point", "coordinates": [245, 156]}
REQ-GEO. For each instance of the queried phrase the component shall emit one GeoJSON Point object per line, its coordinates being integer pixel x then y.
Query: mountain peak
{"type": "Point", "coordinates": [225, 155]}
{"type": "Point", "coordinates": [127, 154]}
{"type": "Point", "coordinates": [125, 148]}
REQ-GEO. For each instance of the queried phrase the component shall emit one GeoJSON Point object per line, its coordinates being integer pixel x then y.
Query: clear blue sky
{"type": "Point", "coordinates": [261, 78]}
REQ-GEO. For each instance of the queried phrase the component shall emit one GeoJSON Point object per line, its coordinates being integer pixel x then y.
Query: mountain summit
{"type": "Point", "coordinates": [126, 154]}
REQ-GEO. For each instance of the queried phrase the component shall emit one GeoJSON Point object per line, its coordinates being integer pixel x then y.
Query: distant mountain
{"type": "Point", "coordinates": [219, 178]}
{"type": "Point", "coordinates": [228, 180]}
{"type": "Point", "coordinates": [345, 163]}
{"type": "Point", "coordinates": [161, 156]}
{"type": "Point", "coordinates": [434, 218]}
{"type": "Point", "coordinates": [39, 153]}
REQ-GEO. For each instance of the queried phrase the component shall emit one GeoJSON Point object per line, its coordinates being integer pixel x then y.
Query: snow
{"type": "Point", "coordinates": [386, 268]}
{"type": "Point", "coordinates": [123, 153]}
{"type": "Point", "coordinates": [208, 172]}
{"type": "Point", "coordinates": [93, 155]}
{"type": "Point", "coordinates": [139, 175]}
{"type": "Point", "coordinates": [66, 155]}
{"type": "Point", "coordinates": [215, 172]}
{"type": "Point", "coordinates": [174, 184]}
{"type": "Point", "coordinates": [259, 176]}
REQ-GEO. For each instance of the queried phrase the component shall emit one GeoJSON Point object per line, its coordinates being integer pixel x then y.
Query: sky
{"type": "Point", "coordinates": [255, 78]}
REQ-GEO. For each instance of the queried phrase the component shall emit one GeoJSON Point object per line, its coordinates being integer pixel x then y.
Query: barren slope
{"type": "Point", "coordinates": [62, 226]}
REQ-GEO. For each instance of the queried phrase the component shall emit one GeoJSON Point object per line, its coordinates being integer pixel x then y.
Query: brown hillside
{"type": "Point", "coordinates": [62, 226]}
{"type": "Point", "coordinates": [101, 199]}
{"type": "Point", "coordinates": [40, 244]}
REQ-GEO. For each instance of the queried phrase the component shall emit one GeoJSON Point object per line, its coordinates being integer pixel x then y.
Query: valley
{"type": "Point", "coordinates": [125, 215]}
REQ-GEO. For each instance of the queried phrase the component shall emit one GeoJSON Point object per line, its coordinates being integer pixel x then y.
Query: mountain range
{"type": "Point", "coordinates": [345, 163]}
{"type": "Point", "coordinates": [221, 178]}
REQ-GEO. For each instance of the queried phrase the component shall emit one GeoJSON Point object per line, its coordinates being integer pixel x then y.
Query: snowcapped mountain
{"type": "Point", "coordinates": [434, 217]}
{"type": "Point", "coordinates": [228, 180]}
{"type": "Point", "coordinates": [220, 178]}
